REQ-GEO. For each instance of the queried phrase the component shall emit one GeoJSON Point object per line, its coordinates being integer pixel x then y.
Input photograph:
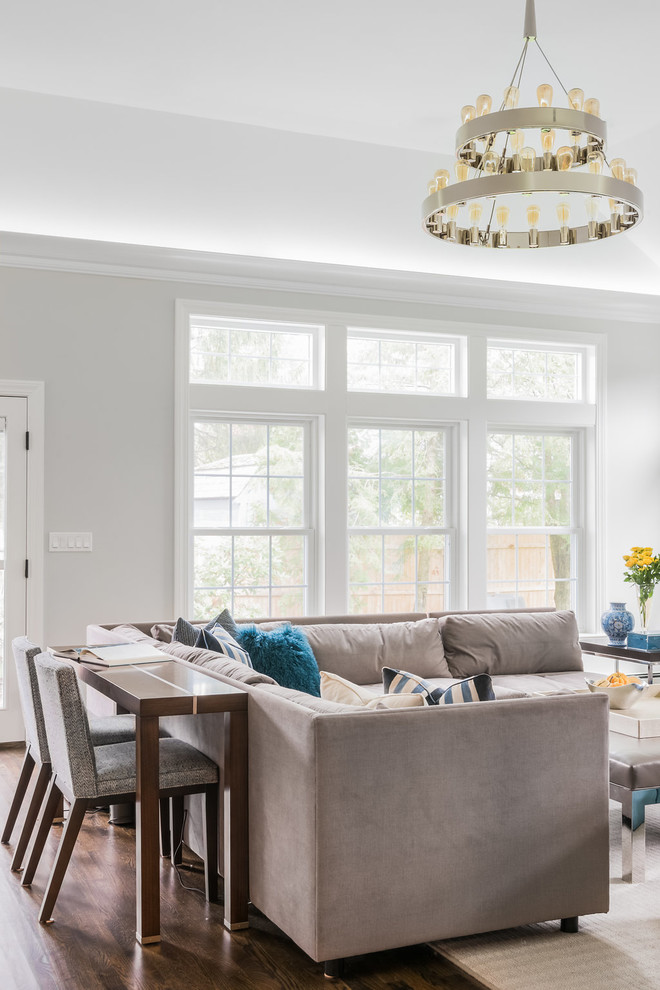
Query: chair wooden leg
{"type": "Point", "coordinates": [176, 825]}
{"type": "Point", "coordinates": [19, 794]}
{"type": "Point", "coordinates": [211, 798]}
{"type": "Point", "coordinates": [65, 848]}
{"type": "Point", "coordinates": [53, 803]}
{"type": "Point", "coordinates": [45, 771]}
{"type": "Point", "coordinates": [165, 832]}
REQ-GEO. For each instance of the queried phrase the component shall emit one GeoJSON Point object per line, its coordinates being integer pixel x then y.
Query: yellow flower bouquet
{"type": "Point", "coordinates": [643, 570]}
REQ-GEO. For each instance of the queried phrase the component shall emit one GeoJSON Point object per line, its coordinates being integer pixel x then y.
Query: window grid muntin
{"type": "Point", "coordinates": [310, 332]}
{"type": "Point", "coordinates": [381, 337]}
{"type": "Point", "coordinates": [548, 350]}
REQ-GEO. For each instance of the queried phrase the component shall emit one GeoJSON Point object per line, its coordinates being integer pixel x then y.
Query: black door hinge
{"type": "Point", "coordinates": [27, 439]}
{"type": "Point", "coordinates": [27, 568]}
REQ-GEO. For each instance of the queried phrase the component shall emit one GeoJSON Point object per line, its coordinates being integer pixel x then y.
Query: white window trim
{"type": "Point", "coordinates": [471, 413]}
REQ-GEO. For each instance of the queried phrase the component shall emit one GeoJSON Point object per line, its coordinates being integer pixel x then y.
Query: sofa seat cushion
{"type": "Point", "coordinates": [358, 651]}
{"type": "Point", "coordinates": [516, 643]}
{"type": "Point", "coordinates": [338, 689]}
{"type": "Point", "coordinates": [216, 662]}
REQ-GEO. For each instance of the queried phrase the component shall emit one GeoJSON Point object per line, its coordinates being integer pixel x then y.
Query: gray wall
{"type": "Point", "coordinates": [104, 346]}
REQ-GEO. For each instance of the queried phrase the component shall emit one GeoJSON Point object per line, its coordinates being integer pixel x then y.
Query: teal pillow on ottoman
{"type": "Point", "coordinates": [283, 654]}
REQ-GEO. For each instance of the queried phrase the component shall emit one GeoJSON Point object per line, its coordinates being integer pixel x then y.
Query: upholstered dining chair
{"type": "Point", "coordinates": [103, 730]}
{"type": "Point", "coordinates": [88, 775]}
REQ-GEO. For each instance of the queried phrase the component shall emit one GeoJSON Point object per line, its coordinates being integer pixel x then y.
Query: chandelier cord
{"type": "Point", "coordinates": [517, 72]}
{"type": "Point", "coordinates": [552, 69]}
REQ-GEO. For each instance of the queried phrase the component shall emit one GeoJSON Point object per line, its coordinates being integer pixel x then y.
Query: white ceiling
{"type": "Point", "coordinates": [380, 84]}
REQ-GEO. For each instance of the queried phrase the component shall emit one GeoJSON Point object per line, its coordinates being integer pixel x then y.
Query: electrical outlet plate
{"type": "Point", "coordinates": [70, 542]}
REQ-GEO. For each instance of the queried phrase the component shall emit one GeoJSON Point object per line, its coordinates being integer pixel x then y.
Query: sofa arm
{"type": "Point", "coordinates": [390, 828]}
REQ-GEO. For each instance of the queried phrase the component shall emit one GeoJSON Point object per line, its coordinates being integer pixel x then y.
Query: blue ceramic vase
{"type": "Point", "coordinates": [617, 622]}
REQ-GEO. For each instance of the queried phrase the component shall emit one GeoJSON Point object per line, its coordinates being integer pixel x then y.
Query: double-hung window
{"type": "Point", "coordinates": [397, 515]}
{"type": "Point", "coordinates": [251, 517]}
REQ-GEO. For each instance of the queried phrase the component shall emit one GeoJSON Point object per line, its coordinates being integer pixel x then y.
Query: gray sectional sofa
{"type": "Point", "coordinates": [377, 828]}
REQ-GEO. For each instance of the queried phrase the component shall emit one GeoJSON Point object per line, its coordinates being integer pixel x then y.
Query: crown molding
{"type": "Point", "coordinates": [108, 258]}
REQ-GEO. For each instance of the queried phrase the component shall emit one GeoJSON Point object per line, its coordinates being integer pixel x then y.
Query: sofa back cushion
{"type": "Point", "coordinates": [520, 643]}
{"type": "Point", "coordinates": [216, 662]}
{"type": "Point", "coordinates": [359, 651]}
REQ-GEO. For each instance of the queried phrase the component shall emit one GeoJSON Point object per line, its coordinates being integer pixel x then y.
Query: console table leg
{"type": "Point", "coordinates": [236, 821]}
{"type": "Point", "coordinates": [633, 844]}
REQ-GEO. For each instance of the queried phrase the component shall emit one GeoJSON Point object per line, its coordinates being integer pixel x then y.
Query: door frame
{"type": "Point", "coordinates": [35, 394]}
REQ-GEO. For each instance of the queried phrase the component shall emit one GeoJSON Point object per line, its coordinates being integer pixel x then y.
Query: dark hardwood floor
{"type": "Point", "coordinates": [91, 944]}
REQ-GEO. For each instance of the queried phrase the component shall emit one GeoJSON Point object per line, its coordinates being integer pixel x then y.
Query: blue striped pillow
{"type": "Point", "coordinates": [401, 682]}
{"type": "Point", "coordinates": [477, 688]}
{"type": "Point", "coordinates": [220, 641]}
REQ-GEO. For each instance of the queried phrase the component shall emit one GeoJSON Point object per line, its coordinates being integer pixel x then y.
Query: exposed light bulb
{"type": "Point", "coordinates": [618, 166]}
{"type": "Point", "coordinates": [484, 104]}
{"type": "Point", "coordinates": [544, 95]}
{"type": "Point", "coordinates": [564, 158]}
{"type": "Point", "coordinates": [630, 175]}
{"type": "Point", "coordinates": [468, 113]}
{"type": "Point", "coordinates": [432, 187]}
{"type": "Point", "coordinates": [452, 211]}
{"type": "Point", "coordinates": [490, 162]}
{"type": "Point", "coordinates": [592, 207]}
{"type": "Point", "coordinates": [517, 141]}
{"type": "Point", "coordinates": [563, 213]}
{"type": "Point", "coordinates": [592, 106]}
{"type": "Point", "coordinates": [474, 212]}
{"type": "Point", "coordinates": [576, 98]}
{"type": "Point", "coordinates": [462, 170]}
{"type": "Point", "coordinates": [533, 215]}
{"type": "Point", "coordinates": [548, 140]}
{"type": "Point", "coordinates": [615, 206]}
{"type": "Point", "coordinates": [528, 159]}
{"type": "Point", "coordinates": [595, 161]}
{"type": "Point", "coordinates": [511, 97]}
{"type": "Point", "coordinates": [442, 178]}
{"type": "Point", "coordinates": [503, 213]}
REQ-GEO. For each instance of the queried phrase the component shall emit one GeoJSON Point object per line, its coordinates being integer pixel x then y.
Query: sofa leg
{"type": "Point", "coordinates": [333, 969]}
{"type": "Point", "coordinates": [570, 925]}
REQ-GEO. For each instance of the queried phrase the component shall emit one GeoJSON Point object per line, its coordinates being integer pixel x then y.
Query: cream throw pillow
{"type": "Point", "coordinates": [335, 688]}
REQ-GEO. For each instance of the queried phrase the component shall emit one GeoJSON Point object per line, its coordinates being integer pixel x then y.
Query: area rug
{"type": "Point", "coordinates": [615, 951]}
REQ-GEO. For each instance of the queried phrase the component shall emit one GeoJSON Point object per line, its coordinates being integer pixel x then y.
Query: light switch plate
{"type": "Point", "coordinates": [70, 542]}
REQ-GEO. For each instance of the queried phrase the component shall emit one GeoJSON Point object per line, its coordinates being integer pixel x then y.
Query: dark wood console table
{"type": "Point", "coordinates": [171, 688]}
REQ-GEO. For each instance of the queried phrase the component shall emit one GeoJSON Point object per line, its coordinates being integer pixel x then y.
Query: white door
{"type": "Point", "coordinates": [13, 556]}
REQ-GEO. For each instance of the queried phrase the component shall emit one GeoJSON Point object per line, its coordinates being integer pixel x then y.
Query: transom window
{"type": "Point", "coordinates": [532, 532]}
{"type": "Point", "coordinates": [250, 517]}
{"type": "Point", "coordinates": [253, 352]}
{"type": "Point", "coordinates": [397, 505]}
{"type": "Point", "coordinates": [382, 362]}
{"type": "Point", "coordinates": [526, 372]}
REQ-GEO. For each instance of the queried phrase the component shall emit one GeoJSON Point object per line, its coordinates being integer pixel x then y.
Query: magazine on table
{"type": "Point", "coordinates": [115, 655]}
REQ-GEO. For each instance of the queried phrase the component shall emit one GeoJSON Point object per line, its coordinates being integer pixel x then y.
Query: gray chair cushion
{"type": "Point", "coordinates": [181, 765]}
{"type": "Point", "coordinates": [634, 763]}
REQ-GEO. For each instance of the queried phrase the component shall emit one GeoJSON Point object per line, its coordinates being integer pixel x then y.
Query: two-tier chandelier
{"type": "Point", "coordinates": [529, 177]}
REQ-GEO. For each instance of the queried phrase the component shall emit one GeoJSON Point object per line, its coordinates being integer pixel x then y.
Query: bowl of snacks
{"type": "Point", "coordinates": [623, 691]}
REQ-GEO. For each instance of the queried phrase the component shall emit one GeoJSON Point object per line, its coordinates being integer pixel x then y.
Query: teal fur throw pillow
{"type": "Point", "coordinates": [283, 654]}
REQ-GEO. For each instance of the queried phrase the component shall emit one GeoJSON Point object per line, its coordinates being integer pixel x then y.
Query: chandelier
{"type": "Point", "coordinates": [529, 177]}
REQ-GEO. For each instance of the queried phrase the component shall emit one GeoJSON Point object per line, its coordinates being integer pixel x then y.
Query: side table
{"type": "Point", "coordinates": [600, 647]}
